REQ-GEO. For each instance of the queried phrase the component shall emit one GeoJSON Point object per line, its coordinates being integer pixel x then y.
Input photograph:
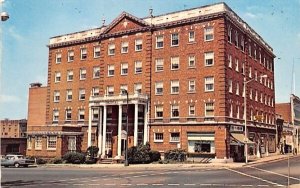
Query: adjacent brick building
{"type": "Point", "coordinates": [182, 75]}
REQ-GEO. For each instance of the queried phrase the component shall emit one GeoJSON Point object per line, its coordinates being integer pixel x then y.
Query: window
{"type": "Point", "coordinates": [175, 111]}
{"type": "Point", "coordinates": [38, 142]}
{"type": "Point", "coordinates": [209, 58]}
{"type": "Point", "coordinates": [96, 51]}
{"type": "Point", "coordinates": [69, 75]}
{"type": "Point", "coordinates": [72, 143]}
{"type": "Point", "coordinates": [83, 53]}
{"type": "Point", "coordinates": [138, 67]}
{"type": "Point", "coordinates": [111, 70]}
{"type": "Point", "coordinates": [243, 68]}
{"type": "Point", "coordinates": [256, 95]}
{"type": "Point", "coordinates": [259, 57]}
{"type": "Point", "coordinates": [69, 95]}
{"type": "Point", "coordinates": [70, 55]}
{"type": "Point", "coordinates": [208, 34]}
{"type": "Point", "coordinates": [255, 55]}
{"type": "Point", "coordinates": [68, 114]}
{"type": "Point", "coordinates": [174, 63]}
{"type": "Point", "coordinates": [249, 49]}
{"type": "Point", "coordinates": [123, 89]}
{"type": "Point", "coordinates": [111, 49]}
{"type": "Point", "coordinates": [192, 110]}
{"type": "Point", "coordinates": [174, 86]}
{"type": "Point", "coordinates": [242, 43]}
{"type": "Point", "coordinates": [124, 68]}
{"type": "Point", "coordinates": [237, 92]}
{"type": "Point", "coordinates": [250, 72]}
{"type": "Point", "coordinates": [192, 85]}
{"type": "Point", "coordinates": [56, 96]}
{"type": "Point", "coordinates": [230, 85]}
{"type": "Point", "coordinates": [237, 65]}
{"type": "Point", "coordinates": [237, 112]}
{"type": "Point", "coordinates": [159, 65]}
{"type": "Point", "coordinates": [81, 114]}
{"type": "Point", "coordinates": [174, 137]}
{"type": "Point", "coordinates": [229, 32]}
{"type": "Point", "coordinates": [82, 73]}
{"type": "Point", "coordinates": [159, 88]}
{"type": "Point", "coordinates": [95, 91]}
{"type": "Point", "coordinates": [29, 142]}
{"type": "Point", "coordinates": [58, 58]}
{"type": "Point", "coordinates": [55, 115]}
{"type": "Point", "coordinates": [95, 112]}
{"type": "Point", "coordinates": [209, 109]}
{"type": "Point", "coordinates": [236, 41]}
{"type": "Point", "coordinates": [138, 45]}
{"type": "Point", "coordinates": [96, 72]}
{"type": "Point", "coordinates": [160, 41]}
{"type": "Point", "coordinates": [158, 137]}
{"type": "Point", "coordinates": [124, 47]}
{"type": "Point", "coordinates": [51, 142]}
{"type": "Point", "coordinates": [229, 61]}
{"type": "Point", "coordinates": [159, 111]}
{"type": "Point", "coordinates": [209, 83]}
{"type": "Point", "coordinates": [138, 88]}
{"type": "Point", "coordinates": [81, 94]}
{"type": "Point", "coordinates": [250, 94]}
{"type": "Point", "coordinates": [192, 62]}
{"type": "Point", "coordinates": [192, 36]}
{"type": "Point", "coordinates": [110, 90]}
{"type": "Point", "coordinates": [57, 77]}
{"type": "Point", "coordinates": [174, 39]}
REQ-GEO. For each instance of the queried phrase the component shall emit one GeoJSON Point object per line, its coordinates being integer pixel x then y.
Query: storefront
{"type": "Point", "coordinates": [201, 143]}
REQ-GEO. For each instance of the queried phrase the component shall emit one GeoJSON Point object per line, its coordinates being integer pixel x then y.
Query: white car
{"type": "Point", "coordinates": [16, 161]}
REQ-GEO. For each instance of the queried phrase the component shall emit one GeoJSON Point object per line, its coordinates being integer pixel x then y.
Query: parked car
{"type": "Point", "coordinates": [16, 161]}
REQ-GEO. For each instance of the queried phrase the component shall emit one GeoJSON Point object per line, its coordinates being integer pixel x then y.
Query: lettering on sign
{"type": "Point", "coordinates": [235, 128]}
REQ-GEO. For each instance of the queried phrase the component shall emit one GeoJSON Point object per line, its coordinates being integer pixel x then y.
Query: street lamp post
{"type": "Point", "coordinates": [126, 145]}
{"type": "Point", "coordinates": [245, 115]}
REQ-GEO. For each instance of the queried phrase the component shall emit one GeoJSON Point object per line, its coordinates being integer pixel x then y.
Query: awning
{"type": "Point", "coordinates": [239, 139]}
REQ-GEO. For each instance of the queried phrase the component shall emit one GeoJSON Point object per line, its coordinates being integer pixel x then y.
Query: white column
{"type": "Point", "coordinates": [100, 132]}
{"type": "Point", "coordinates": [136, 118]}
{"type": "Point", "coordinates": [104, 130]}
{"type": "Point", "coordinates": [119, 131]}
{"type": "Point", "coordinates": [145, 125]}
{"type": "Point", "coordinates": [90, 128]}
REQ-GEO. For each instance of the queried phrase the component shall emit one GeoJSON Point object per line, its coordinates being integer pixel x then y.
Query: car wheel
{"type": "Point", "coordinates": [17, 165]}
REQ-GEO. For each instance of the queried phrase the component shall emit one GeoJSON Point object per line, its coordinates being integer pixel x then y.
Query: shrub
{"type": "Point", "coordinates": [74, 157]}
{"type": "Point", "coordinates": [40, 161]}
{"type": "Point", "coordinates": [92, 151]}
{"type": "Point", "coordinates": [155, 155]}
{"type": "Point", "coordinates": [142, 154]}
{"type": "Point", "coordinates": [56, 161]}
{"type": "Point", "coordinates": [175, 155]}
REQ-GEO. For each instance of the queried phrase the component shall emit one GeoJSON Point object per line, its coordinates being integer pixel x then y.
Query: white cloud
{"type": "Point", "coordinates": [250, 15]}
{"type": "Point", "coordinates": [9, 99]}
{"type": "Point", "coordinates": [14, 34]}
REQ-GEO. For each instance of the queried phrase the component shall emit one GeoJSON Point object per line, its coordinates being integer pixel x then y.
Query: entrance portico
{"type": "Point", "coordinates": [111, 122]}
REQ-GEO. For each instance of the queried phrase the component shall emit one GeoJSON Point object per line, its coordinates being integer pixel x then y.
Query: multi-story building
{"type": "Point", "coordinates": [182, 76]}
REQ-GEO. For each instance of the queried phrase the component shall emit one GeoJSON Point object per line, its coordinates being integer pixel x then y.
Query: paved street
{"type": "Point", "coordinates": [273, 174]}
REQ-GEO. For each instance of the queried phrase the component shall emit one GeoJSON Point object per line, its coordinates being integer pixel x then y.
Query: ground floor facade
{"type": "Point", "coordinates": [13, 146]}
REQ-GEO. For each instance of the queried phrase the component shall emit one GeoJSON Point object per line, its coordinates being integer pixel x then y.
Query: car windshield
{"type": "Point", "coordinates": [20, 157]}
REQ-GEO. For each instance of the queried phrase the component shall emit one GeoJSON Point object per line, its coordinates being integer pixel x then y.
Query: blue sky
{"type": "Point", "coordinates": [32, 22]}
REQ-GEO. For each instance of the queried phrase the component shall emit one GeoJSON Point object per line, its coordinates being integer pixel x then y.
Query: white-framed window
{"type": "Point", "coordinates": [82, 74]}
{"type": "Point", "coordinates": [159, 65]}
{"type": "Point", "coordinates": [191, 36]}
{"type": "Point", "coordinates": [110, 90]}
{"type": "Point", "coordinates": [174, 39]}
{"type": "Point", "coordinates": [209, 58]}
{"type": "Point", "coordinates": [174, 63]}
{"type": "Point", "coordinates": [124, 47]}
{"type": "Point", "coordinates": [174, 86]}
{"type": "Point", "coordinates": [81, 114]}
{"type": "Point", "coordinates": [96, 51]}
{"type": "Point", "coordinates": [58, 58]}
{"type": "Point", "coordinates": [230, 60]}
{"type": "Point", "coordinates": [57, 77]}
{"type": "Point", "coordinates": [138, 45]}
{"type": "Point", "coordinates": [237, 65]}
{"type": "Point", "coordinates": [55, 115]}
{"type": "Point", "coordinates": [174, 137]}
{"type": "Point", "coordinates": [111, 49]}
{"type": "Point", "coordinates": [159, 41]}
{"type": "Point", "coordinates": [236, 41]}
{"type": "Point", "coordinates": [123, 89]}
{"type": "Point", "coordinates": [174, 111]}
{"type": "Point", "coordinates": [237, 90]}
{"type": "Point", "coordinates": [95, 91]}
{"type": "Point", "coordinates": [259, 56]}
{"type": "Point", "coordinates": [138, 88]}
{"type": "Point", "coordinates": [69, 95]}
{"type": "Point", "coordinates": [250, 72]}
{"type": "Point", "coordinates": [192, 61]}
{"type": "Point", "coordinates": [70, 55]}
{"type": "Point", "coordinates": [256, 95]}
{"type": "Point", "coordinates": [95, 112]}
{"type": "Point", "coordinates": [250, 93]}
{"type": "Point", "coordinates": [56, 96]}
{"type": "Point", "coordinates": [159, 111]}
{"type": "Point", "coordinates": [29, 143]}
{"type": "Point", "coordinates": [249, 49]}
{"type": "Point", "coordinates": [209, 109]}
{"type": "Point", "coordinates": [230, 85]}
{"type": "Point", "coordinates": [71, 143]}
{"type": "Point", "coordinates": [68, 114]}
{"type": "Point", "coordinates": [138, 67]}
{"type": "Point", "coordinates": [237, 112]}
{"type": "Point", "coordinates": [51, 142]}
{"type": "Point", "coordinates": [192, 85]}
{"type": "Point", "coordinates": [208, 33]}
{"type": "Point", "coordinates": [229, 33]}
{"type": "Point", "coordinates": [70, 75]}
{"type": "Point", "coordinates": [242, 43]}
{"type": "Point", "coordinates": [124, 68]}
{"type": "Point", "coordinates": [158, 137]}
{"type": "Point", "coordinates": [243, 68]}
{"type": "Point", "coordinates": [255, 55]}
{"type": "Point", "coordinates": [111, 70]}
{"type": "Point", "coordinates": [96, 72]}
{"type": "Point", "coordinates": [209, 83]}
{"type": "Point", "coordinates": [81, 94]}
{"type": "Point", "coordinates": [83, 53]}
{"type": "Point", "coordinates": [159, 88]}
{"type": "Point", "coordinates": [192, 110]}
{"type": "Point", "coordinates": [38, 142]}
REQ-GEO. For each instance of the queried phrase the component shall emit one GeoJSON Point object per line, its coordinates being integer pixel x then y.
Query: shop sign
{"type": "Point", "coordinates": [235, 128]}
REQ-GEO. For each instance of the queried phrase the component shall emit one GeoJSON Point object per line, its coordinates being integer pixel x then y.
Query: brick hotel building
{"type": "Point", "coordinates": [183, 73]}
